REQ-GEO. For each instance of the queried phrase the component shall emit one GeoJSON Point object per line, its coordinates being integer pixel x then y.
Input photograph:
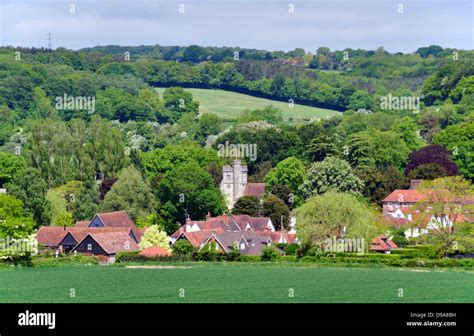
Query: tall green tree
{"type": "Point", "coordinates": [30, 188]}
{"type": "Point", "coordinates": [130, 193]}
{"type": "Point", "coordinates": [332, 174]}
{"type": "Point", "coordinates": [335, 214]}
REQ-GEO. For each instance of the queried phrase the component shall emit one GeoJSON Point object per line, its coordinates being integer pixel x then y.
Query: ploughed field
{"type": "Point", "coordinates": [229, 105]}
{"type": "Point", "coordinates": [239, 283]}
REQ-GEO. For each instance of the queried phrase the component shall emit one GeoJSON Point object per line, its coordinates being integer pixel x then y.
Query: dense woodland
{"type": "Point", "coordinates": [157, 158]}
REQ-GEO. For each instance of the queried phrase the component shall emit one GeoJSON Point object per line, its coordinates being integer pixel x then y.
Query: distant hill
{"type": "Point", "coordinates": [229, 105]}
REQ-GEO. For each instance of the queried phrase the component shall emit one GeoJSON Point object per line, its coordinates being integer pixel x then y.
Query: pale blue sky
{"type": "Point", "coordinates": [337, 24]}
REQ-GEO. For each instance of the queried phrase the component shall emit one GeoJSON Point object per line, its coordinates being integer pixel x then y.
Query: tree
{"type": "Point", "coordinates": [87, 201]}
{"type": "Point", "coordinates": [374, 186]}
{"type": "Point", "coordinates": [30, 188]}
{"type": "Point", "coordinates": [269, 113]}
{"type": "Point", "coordinates": [408, 131]}
{"type": "Point", "coordinates": [431, 154]}
{"type": "Point", "coordinates": [359, 100]}
{"type": "Point", "coordinates": [445, 200]}
{"type": "Point", "coordinates": [290, 172]}
{"type": "Point", "coordinates": [13, 222]}
{"type": "Point", "coordinates": [130, 193]}
{"type": "Point", "coordinates": [459, 139]}
{"type": "Point", "coordinates": [284, 193]}
{"type": "Point", "coordinates": [106, 185]}
{"type": "Point", "coordinates": [182, 247]}
{"type": "Point", "coordinates": [195, 53]}
{"type": "Point", "coordinates": [10, 165]}
{"type": "Point", "coordinates": [247, 205]}
{"type": "Point", "coordinates": [377, 148]}
{"type": "Point", "coordinates": [427, 171]}
{"type": "Point", "coordinates": [106, 147]}
{"type": "Point", "coordinates": [321, 147]}
{"type": "Point", "coordinates": [154, 236]}
{"type": "Point", "coordinates": [332, 174]}
{"type": "Point", "coordinates": [178, 101]}
{"type": "Point", "coordinates": [278, 212]}
{"type": "Point", "coordinates": [189, 188]}
{"type": "Point", "coordinates": [334, 214]}
{"type": "Point", "coordinates": [134, 109]}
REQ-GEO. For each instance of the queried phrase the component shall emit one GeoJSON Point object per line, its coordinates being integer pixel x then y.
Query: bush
{"type": "Point", "coordinates": [134, 256]}
{"type": "Point", "coordinates": [269, 254]}
{"type": "Point", "coordinates": [249, 258]}
{"type": "Point", "coordinates": [182, 247]}
{"type": "Point", "coordinates": [289, 249]}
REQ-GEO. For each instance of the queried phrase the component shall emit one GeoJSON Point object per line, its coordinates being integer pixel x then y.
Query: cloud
{"type": "Point", "coordinates": [254, 24]}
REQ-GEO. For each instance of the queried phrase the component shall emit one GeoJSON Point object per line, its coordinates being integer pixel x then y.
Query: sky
{"type": "Point", "coordinates": [400, 25]}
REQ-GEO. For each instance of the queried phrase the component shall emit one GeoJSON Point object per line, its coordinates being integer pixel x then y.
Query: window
{"type": "Point", "coordinates": [242, 246]}
{"type": "Point", "coordinates": [89, 247]}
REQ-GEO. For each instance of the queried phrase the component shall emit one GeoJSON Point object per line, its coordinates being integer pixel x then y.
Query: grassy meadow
{"type": "Point", "coordinates": [229, 105]}
{"type": "Point", "coordinates": [234, 283]}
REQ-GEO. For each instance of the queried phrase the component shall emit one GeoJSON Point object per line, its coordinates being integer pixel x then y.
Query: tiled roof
{"type": "Point", "coordinates": [119, 219]}
{"type": "Point", "coordinates": [382, 243]}
{"type": "Point", "coordinates": [196, 238]}
{"type": "Point", "coordinates": [404, 196]}
{"type": "Point", "coordinates": [84, 223]}
{"type": "Point", "coordinates": [155, 251]}
{"type": "Point", "coordinates": [254, 189]}
{"type": "Point", "coordinates": [113, 242]}
{"type": "Point", "coordinates": [50, 235]}
{"type": "Point", "coordinates": [79, 233]}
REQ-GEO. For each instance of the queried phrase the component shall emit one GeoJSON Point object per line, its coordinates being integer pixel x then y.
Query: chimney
{"type": "Point", "coordinates": [208, 216]}
{"type": "Point", "coordinates": [187, 218]}
{"type": "Point", "coordinates": [64, 227]}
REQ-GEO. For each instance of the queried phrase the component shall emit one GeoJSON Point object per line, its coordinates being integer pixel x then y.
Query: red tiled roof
{"type": "Point", "coordinates": [404, 196]}
{"type": "Point", "coordinates": [50, 235]}
{"type": "Point", "coordinates": [196, 238]}
{"type": "Point", "coordinates": [155, 251]}
{"type": "Point", "coordinates": [84, 223]}
{"type": "Point", "coordinates": [119, 219]}
{"type": "Point", "coordinates": [254, 189]}
{"type": "Point", "coordinates": [382, 243]}
{"type": "Point", "coordinates": [113, 242]}
{"type": "Point", "coordinates": [79, 233]}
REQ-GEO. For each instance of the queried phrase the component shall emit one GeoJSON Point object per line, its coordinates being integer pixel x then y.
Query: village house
{"type": "Point", "coordinates": [227, 232]}
{"type": "Point", "coordinates": [400, 211]}
{"type": "Point", "coordinates": [382, 244]}
{"type": "Point", "coordinates": [106, 234]}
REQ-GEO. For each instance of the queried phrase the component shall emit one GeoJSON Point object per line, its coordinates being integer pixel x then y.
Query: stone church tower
{"type": "Point", "coordinates": [234, 180]}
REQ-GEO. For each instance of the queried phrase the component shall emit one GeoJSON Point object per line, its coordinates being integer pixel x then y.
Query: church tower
{"type": "Point", "coordinates": [234, 180]}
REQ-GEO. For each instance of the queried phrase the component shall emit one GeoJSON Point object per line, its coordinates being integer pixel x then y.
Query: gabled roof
{"type": "Point", "coordinates": [254, 189]}
{"type": "Point", "coordinates": [382, 243]}
{"type": "Point", "coordinates": [84, 223]}
{"type": "Point", "coordinates": [50, 235]}
{"type": "Point", "coordinates": [113, 242]}
{"type": "Point", "coordinates": [404, 196]}
{"type": "Point", "coordinates": [195, 238]}
{"type": "Point", "coordinates": [79, 233]}
{"type": "Point", "coordinates": [118, 219]}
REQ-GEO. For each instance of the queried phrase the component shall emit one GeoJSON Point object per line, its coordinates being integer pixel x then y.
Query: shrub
{"type": "Point", "coordinates": [182, 247]}
{"type": "Point", "coordinates": [269, 254]}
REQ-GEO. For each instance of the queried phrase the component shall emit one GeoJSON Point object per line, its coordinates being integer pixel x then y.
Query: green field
{"type": "Point", "coordinates": [242, 283]}
{"type": "Point", "coordinates": [229, 105]}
